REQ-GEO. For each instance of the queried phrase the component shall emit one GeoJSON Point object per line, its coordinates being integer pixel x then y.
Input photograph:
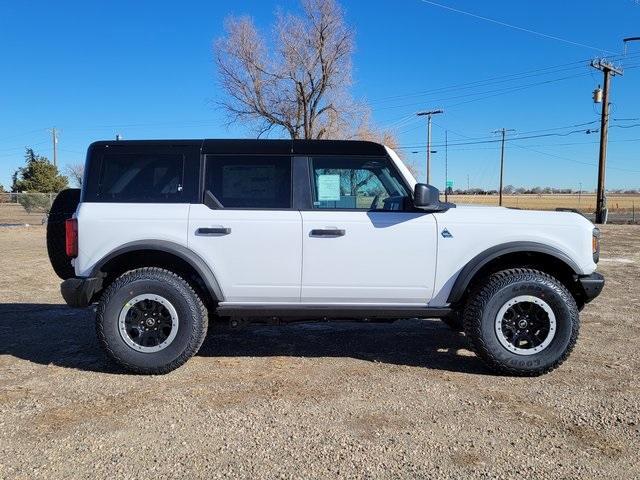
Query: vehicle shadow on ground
{"type": "Point", "coordinates": [55, 334]}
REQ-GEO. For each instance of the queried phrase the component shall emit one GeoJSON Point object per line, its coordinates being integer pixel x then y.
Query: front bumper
{"type": "Point", "coordinates": [591, 285]}
{"type": "Point", "coordinates": [78, 292]}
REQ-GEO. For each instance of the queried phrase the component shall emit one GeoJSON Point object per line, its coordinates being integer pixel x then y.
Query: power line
{"type": "Point", "coordinates": [573, 125]}
{"type": "Point", "coordinates": [42, 130]}
{"type": "Point", "coordinates": [496, 92]}
{"type": "Point", "coordinates": [23, 147]}
{"type": "Point", "coordinates": [625, 126]}
{"type": "Point", "coordinates": [478, 142]}
{"type": "Point", "coordinates": [560, 128]}
{"type": "Point", "coordinates": [505, 78]}
{"type": "Point", "coordinates": [478, 83]}
{"type": "Point", "coordinates": [515, 27]}
{"type": "Point", "coordinates": [72, 151]}
{"type": "Point", "coordinates": [520, 133]}
{"type": "Point", "coordinates": [573, 160]}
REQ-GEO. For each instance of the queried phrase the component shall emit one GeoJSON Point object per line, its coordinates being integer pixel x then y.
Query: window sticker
{"type": "Point", "coordinates": [328, 188]}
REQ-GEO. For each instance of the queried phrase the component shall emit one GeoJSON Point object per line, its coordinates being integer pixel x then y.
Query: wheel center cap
{"type": "Point", "coordinates": [150, 322]}
{"type": "Point", "coordinates": [522, 323]}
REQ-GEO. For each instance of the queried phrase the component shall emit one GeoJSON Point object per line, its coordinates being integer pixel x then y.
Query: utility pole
{"type": "Point", "coordinates": [54, 139]}
{"type": "Point", "coordinates": [446, 166]}
{"type": "Point", "coordinates": [429, 114]}
{"type": "Point", "coordinates": [608, 70]}
{"type": "Point", "coordinates": [503, 131]}
{"type": "Point", "coordinates": [579, 195]}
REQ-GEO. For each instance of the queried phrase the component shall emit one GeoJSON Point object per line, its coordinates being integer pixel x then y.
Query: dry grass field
{"type": "Point", "coordinates": [14, 214]}
{"type": "Point", "coordinates": [343, 400]}
{"type": "Point", "coordinates": [584, 203]}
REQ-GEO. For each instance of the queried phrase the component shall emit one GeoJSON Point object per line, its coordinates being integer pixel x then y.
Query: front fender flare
{"type": "Point", "coordinates": [476, 263]}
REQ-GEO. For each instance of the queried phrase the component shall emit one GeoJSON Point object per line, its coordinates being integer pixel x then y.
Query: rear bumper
{"type": "Point", "coordinates": [78, 292]}
{"type": "Point", "coordinates": [591, 285]}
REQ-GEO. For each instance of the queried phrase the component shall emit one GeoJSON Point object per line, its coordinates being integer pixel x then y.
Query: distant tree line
{"type": "Point", "coordinates": [511, 190]}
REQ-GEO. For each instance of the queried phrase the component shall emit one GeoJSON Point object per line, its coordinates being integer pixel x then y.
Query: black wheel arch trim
{"type": "Point", "coordinates": [476, 263]}
{"type": "Point", "coordinates": [192, 258]}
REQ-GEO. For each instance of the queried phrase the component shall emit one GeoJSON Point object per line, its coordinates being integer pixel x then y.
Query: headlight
{"type": "Point", "coordinates": [595, 244]}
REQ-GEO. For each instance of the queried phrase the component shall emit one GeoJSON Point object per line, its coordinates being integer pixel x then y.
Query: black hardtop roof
{"type": "Point", "coordinates": [252, 146]}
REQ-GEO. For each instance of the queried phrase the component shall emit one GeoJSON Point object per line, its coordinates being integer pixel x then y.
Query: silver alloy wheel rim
{"type": "Point", "coordinates": [122, 323]}
{"type": "Point", "coordinates": [500, 323]}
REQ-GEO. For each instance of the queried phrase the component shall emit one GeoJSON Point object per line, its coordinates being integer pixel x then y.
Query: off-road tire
{"type": "Point", "coordinates": [190, 309]}
{"type": "Point", "coordinates": [63, 207]}
{"type": "Point", "coordinates": [454, 322]}
{"type": "Point", "coordinates": [485, 302]}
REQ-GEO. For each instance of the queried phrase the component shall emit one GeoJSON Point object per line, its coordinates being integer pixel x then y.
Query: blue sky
{"type": "Point", "coordinates": [145, 69]}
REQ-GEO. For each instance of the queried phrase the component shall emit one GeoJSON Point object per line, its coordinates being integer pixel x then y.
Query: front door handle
{"type": "Point", "coordinates": [327, 232]}
{"type": "Point", "coordinates": [213, 231]}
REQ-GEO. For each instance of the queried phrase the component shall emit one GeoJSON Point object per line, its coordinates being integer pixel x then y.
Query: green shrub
{"type": "Point", "coordinates": [35, 202]}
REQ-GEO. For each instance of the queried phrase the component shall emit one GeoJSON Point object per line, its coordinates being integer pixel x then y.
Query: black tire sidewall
{"type": "Point", "coordinates": [182, 300]}
{"type": "Point", "coordinates": [547, 292]}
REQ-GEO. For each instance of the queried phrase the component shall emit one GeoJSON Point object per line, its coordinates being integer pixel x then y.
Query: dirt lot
{"type": "Point", "coordinates": [313, 401]}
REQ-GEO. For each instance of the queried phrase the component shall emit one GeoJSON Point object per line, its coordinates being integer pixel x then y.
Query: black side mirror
{"type": "Point", "coordinates": [426, 196]}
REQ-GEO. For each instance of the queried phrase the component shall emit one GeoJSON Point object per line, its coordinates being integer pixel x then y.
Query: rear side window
{"type": "Point", "coordinates": [148, 178]}
{"type": "Point", "coordinates": [250, 181]}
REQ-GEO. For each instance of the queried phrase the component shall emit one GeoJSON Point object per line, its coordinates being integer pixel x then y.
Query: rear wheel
{"type": "Point", "coordinates": [151, 321]}
{"type": "Point", "coordinates": [522, 322]}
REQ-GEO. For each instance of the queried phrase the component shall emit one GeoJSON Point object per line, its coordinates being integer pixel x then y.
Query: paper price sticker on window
{"type": "Point", "coordinates": [328, 188]}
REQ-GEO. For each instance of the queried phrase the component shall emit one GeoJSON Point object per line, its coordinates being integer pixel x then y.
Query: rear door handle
{"type": "Point", "coordinates": [327, 232]}
{"type": "Point", "coordinates": [213, 231]}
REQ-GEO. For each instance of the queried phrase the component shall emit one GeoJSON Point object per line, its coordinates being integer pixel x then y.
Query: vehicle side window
{"type": "Point", "coordinates": [362, 183]}
{"type": "Point", "coordinates": [149, 178]}
{"type": "Point", "coordinates": [249, 181]}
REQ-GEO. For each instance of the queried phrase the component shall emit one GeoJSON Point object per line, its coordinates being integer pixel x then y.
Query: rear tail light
{"type": "Point", "coordinates": [71, 237]}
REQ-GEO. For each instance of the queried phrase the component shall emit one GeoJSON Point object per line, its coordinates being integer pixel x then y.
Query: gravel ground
{"type": "Point", "coordinates": [313, 400]}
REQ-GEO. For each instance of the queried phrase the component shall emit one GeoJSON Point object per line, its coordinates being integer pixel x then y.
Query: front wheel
{"type": "Point", "coordinates": [151, 321]}
{"type": "Point", "coordinates": [522, 322]}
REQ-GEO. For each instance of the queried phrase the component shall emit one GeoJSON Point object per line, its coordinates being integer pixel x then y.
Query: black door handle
{"type": "Point", "coordinates": [327, 232]}
{"type": "Point", "coordinates": [213, 231]}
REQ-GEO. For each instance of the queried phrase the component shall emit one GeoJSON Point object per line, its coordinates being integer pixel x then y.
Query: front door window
{"type": "Point", "coordinates": [356, 183]}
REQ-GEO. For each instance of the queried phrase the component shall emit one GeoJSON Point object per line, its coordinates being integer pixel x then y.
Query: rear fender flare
{"type": "Point", "coordinates": [193, 259]}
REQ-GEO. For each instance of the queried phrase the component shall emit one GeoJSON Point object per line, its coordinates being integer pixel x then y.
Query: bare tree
{"type": "Point", "coordinates": [75, 172]}
{"type": "Point", "coordinates": [300, 82]}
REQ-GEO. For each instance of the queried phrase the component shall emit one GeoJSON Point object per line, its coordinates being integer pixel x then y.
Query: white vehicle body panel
{"type": "Point", "coordinates": [476, 229]}
{"type": "Point", "coordinates": [384, 257]}
{"type": "Point", "coordinates": [105, 227]}
{"type": "Point", "coordinates": [259, 260]}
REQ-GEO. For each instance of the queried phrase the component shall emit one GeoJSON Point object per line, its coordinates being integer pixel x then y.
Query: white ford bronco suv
{"type": "Point", "coordinates": [166, 234]}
